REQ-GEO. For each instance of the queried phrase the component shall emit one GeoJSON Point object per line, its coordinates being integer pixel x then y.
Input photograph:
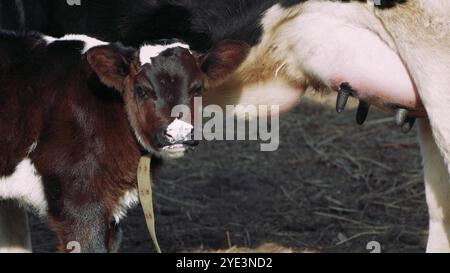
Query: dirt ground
{"type": "Point", "coordinates": [333, 186]}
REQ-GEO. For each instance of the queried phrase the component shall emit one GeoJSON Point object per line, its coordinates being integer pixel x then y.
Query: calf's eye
{"type": "Point", "coordinates": [141, 93]}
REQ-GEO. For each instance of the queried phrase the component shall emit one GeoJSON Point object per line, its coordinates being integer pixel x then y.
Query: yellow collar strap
{"type": "Point", "coordinates": [146, 197]}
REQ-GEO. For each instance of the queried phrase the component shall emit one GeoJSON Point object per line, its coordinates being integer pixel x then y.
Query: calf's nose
{"type": "Point", "coordinates": [179, 130]}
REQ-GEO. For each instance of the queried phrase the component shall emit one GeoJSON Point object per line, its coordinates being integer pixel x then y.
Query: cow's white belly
{"type": "Point", "coordinates": [25, 186]}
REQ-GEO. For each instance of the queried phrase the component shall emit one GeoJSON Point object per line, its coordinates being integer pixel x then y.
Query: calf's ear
{"type": "Point", "coordinates": [111, 63]}
{"type": "Point", "coordinates": [223, 59]}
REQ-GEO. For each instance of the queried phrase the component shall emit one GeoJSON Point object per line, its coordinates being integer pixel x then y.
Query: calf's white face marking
{"type": "Point", "coordinates": [147, 52]}
{"type": "Point", "coordinates": [89, 42]}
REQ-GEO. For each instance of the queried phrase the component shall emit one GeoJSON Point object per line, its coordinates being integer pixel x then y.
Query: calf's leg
{"type": "Point", "coordinates": [437, 190]}
{"type": "Point", "coordinates": [14, 229]}
{"type": "Point", "coordinates": [85, 228]}
{"type": "Point", "coordinates": [80, 216]}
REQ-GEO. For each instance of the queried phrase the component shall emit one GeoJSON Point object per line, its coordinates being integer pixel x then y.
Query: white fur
{"type": "Point", "coordinates": [147, 52]}
{"type": "Point", "coordinates": [25, 185]}
{"type": "Point", "coordinates": [437, 191]}
{"type": "Point", "coordinates": [50, 39]}
{"type": "Point", "coordinates": [129, 200]}
{"type": "Point", "coordinates": [179, 130]}
{"type": "Point", "coordinates": [89, 42]}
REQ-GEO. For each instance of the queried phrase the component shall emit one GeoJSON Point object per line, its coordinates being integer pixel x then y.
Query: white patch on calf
{"type": "Point", "coordinates": [127, 201]}
{"type": "Point", "coordinates": [147, 52]}
{"type": "Point", "coordinates": [25, 186]}
{"type": "Point", "coordinates": [179, 130]}
{"type": "Point", "coordinates": [89, 42]}
{"type": "Point", "coordinates": [49, 39]}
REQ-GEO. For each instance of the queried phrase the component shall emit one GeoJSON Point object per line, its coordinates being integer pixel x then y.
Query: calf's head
{"type": "Point", "coordinates": [155, 79]}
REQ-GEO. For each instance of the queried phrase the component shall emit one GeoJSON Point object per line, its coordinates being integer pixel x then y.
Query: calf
{"type": "Point", "coordinates": [78, 113]}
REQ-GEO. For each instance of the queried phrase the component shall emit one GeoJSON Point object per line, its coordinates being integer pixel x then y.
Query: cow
{"type": "Point", "coordinates": [78, 113]}
{"type": "Point", "coordinates": [396, 58]}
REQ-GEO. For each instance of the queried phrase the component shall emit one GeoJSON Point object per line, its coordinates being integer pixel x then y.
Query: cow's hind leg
{"type": "Point", "coordinates": [14, 229]}
{"type": "Point", "coordinates": [437, 190]}
{"type": "Point", "coordinates": [420, 31]}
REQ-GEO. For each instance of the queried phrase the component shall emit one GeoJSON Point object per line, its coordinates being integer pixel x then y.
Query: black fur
{"type": "Point", "coordinates": [201, 23]}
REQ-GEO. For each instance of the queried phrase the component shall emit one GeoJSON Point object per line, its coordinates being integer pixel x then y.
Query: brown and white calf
{"type": "Point", "coordinates": [76, 116]}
